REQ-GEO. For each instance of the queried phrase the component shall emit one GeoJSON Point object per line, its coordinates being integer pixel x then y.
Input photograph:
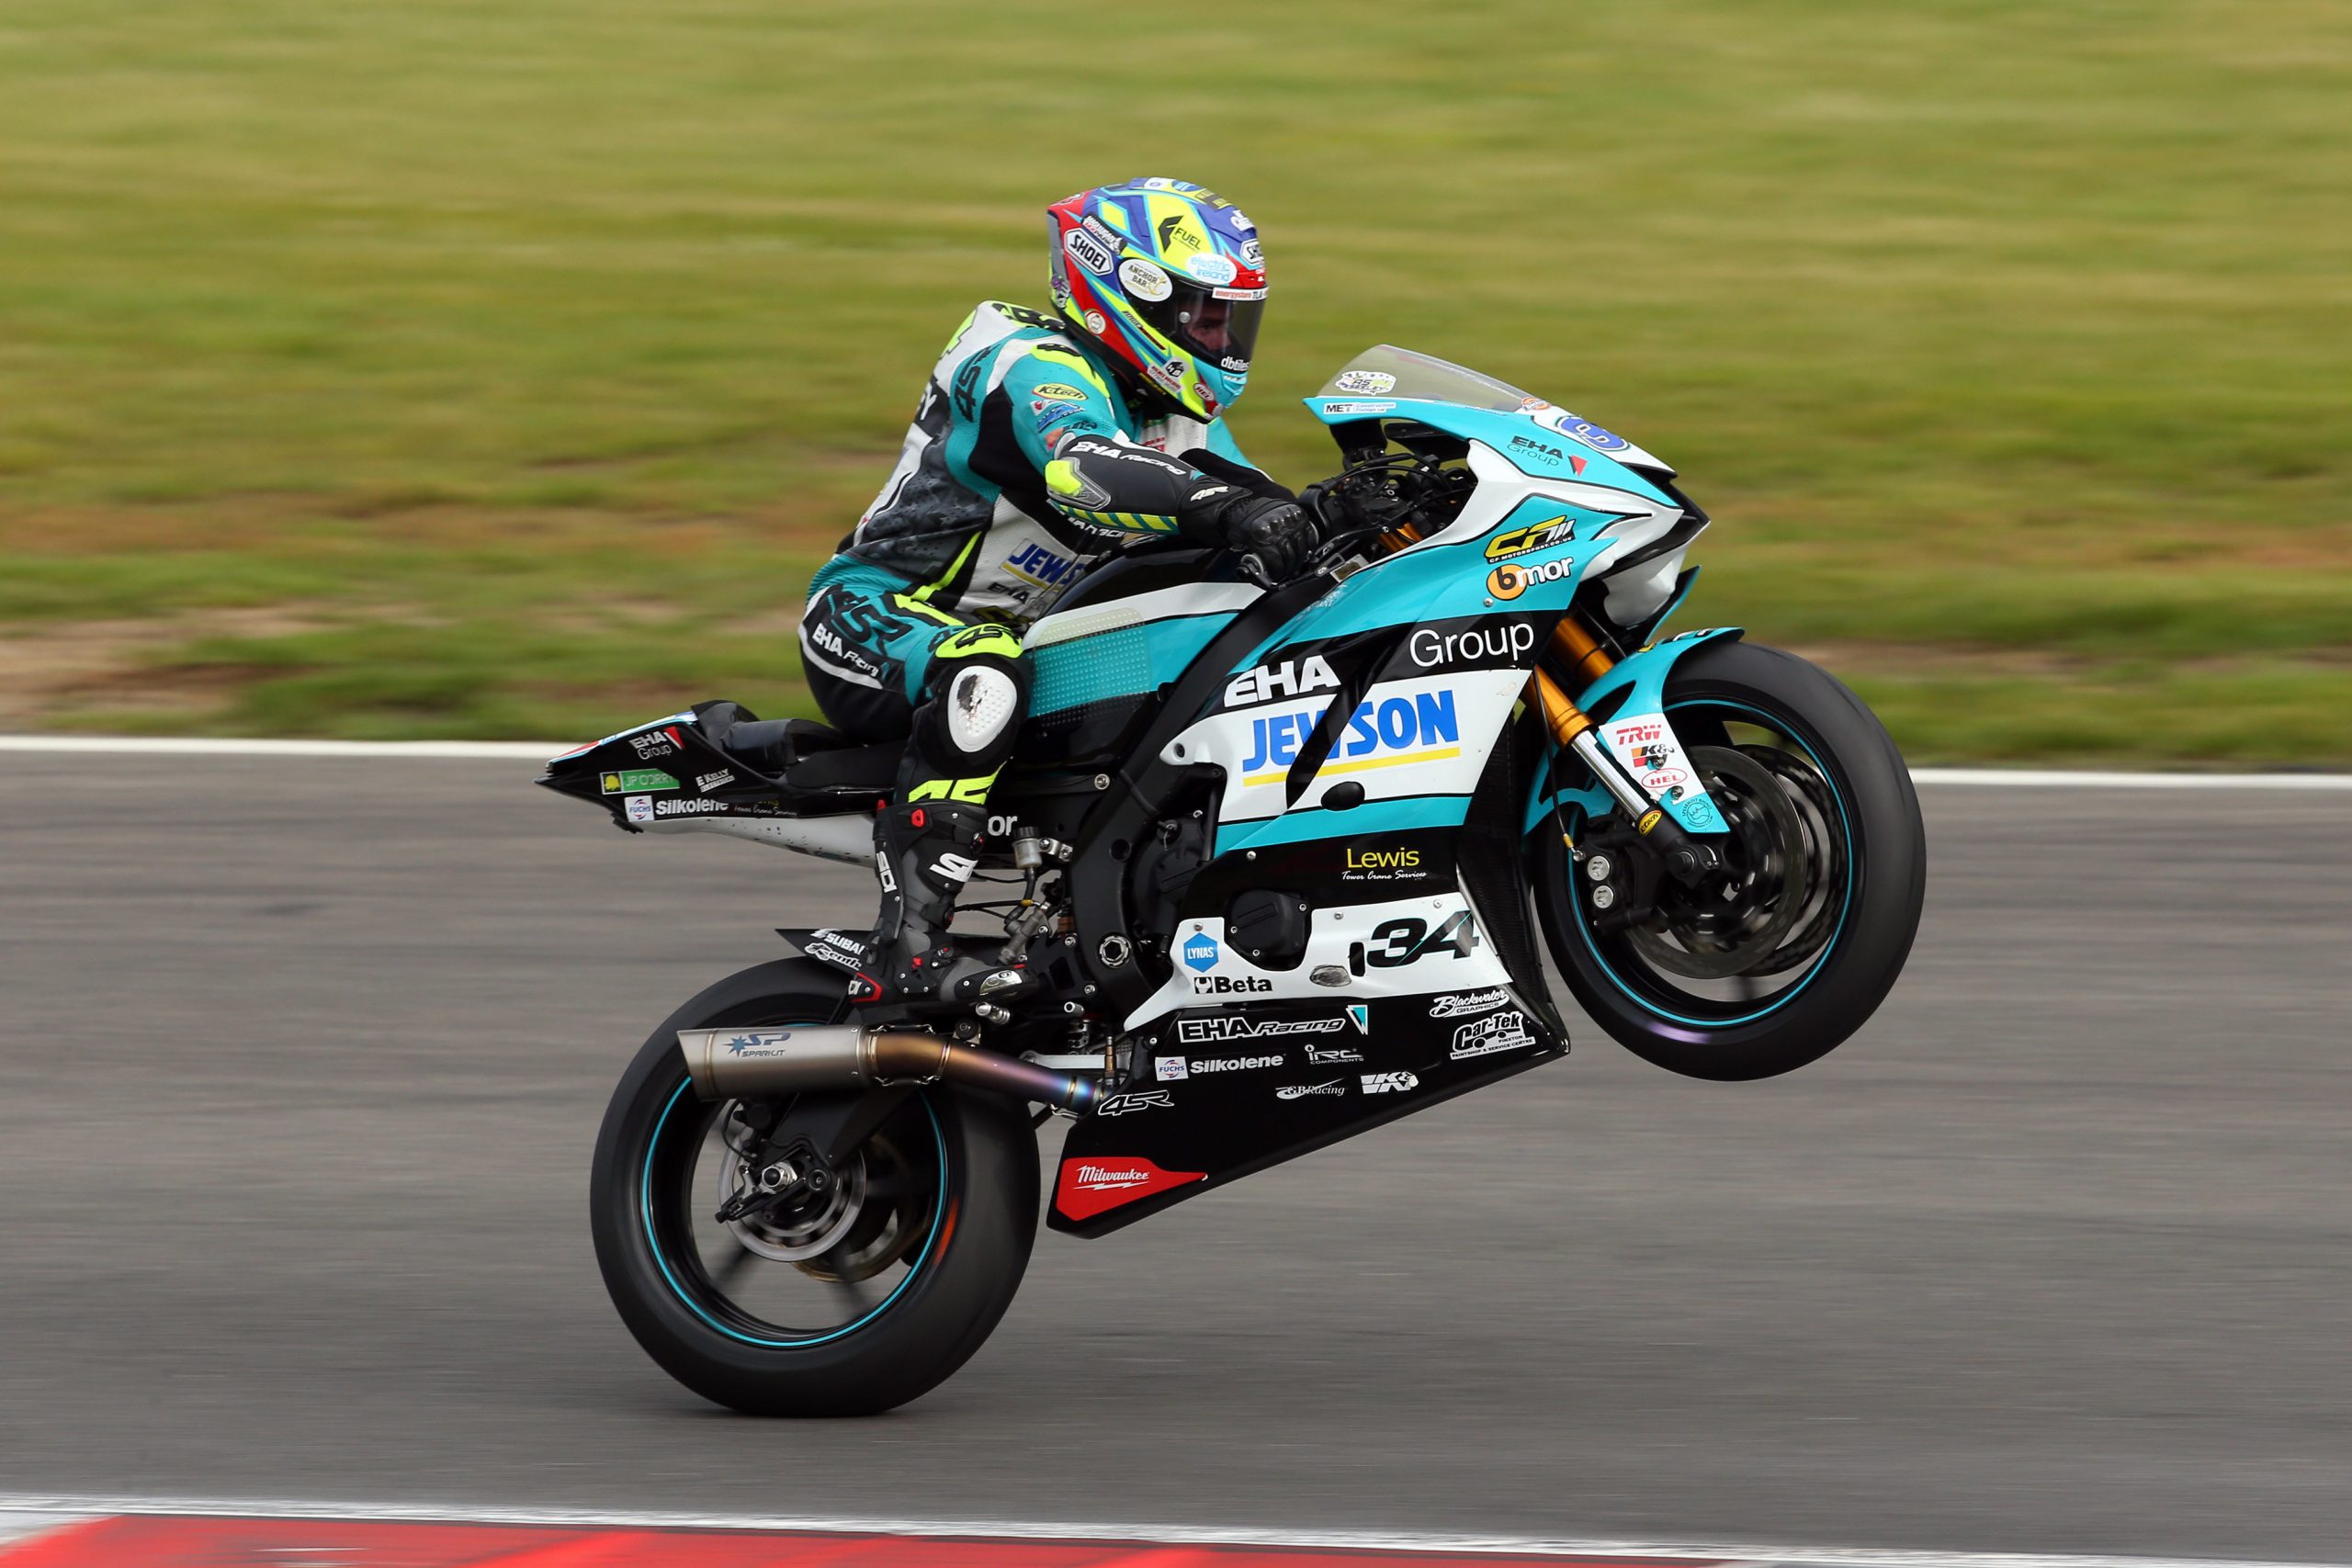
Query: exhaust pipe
{"type": "Point", "coordinates": [726, 1063]}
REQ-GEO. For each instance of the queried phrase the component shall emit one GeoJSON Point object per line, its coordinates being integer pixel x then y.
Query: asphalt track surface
{"type": "Point", "coordinates": [301, 1060]}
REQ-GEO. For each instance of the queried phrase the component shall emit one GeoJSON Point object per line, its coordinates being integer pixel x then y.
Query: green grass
{"type": "Point", "coordinates": [497, 367]}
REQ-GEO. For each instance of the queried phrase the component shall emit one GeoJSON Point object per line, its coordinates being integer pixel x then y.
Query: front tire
{"type": "Point", "coordinates": [1787, 966]}
{"type": "Point", "coordinates": [849, 1315]}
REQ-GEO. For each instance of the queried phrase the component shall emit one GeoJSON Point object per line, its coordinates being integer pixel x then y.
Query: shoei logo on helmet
{"type": "Point", "coordinates": [1143, 280]}
{"type": "Point", "coordinates": [1200, 952]}
{"type": "Point", "coordinates": [1089, 252]}
{"type": "Point", "coordinates": [1214, 269]}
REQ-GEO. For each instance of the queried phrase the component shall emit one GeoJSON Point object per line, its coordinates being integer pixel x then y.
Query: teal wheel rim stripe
{"type": "Point", "coordinates": [653, 1239]}
{"type": "Point", "coordinates": [1845, 826]}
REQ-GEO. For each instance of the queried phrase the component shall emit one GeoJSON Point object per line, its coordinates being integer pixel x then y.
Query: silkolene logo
{"type": "Point", "coordinates": [1379, 734]}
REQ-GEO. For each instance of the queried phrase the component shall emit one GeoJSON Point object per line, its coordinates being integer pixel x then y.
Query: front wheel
{"type": "Point", "coordinates": [1772, 962]}
{"type": "Point", "coordinates": [780, 1297]}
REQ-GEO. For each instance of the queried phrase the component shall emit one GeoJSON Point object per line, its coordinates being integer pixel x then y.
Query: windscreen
{"type": "Point", "coordinates": [1391, 372]}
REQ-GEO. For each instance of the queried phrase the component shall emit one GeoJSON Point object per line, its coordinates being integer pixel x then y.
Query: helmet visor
{"type": "Point", "coordinates": [1209, 323]}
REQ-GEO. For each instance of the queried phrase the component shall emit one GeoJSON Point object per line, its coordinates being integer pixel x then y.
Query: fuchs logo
{"type": "Point", "coordinates": [1040, 565]}
{"type": "Point", "coordinates": [1229, 984]}
{"type": "Point", "coordinates": [1200, 951]}
{"type": "Point", "coordinates": [1233, 1064]}
{"type": "Point", "coordinates": [1511, 580]}
{"type": "Point", "coordinates": [1291, 678]}
{"type": "Point", "coordinates": [1504, 1031]}
{"type": "Point", "coordinates": [1301, 1091]}
{"type": "Point", "coordinates": [1503, 642]}
{"type": "Point", "coordinates": [1421, 728]}
{"type": "Point", "coordinates": [1210, 1030]}
{"type": "Point", "coordinates": [1143, 1099]}
{"type": "Point", "coordinates": [1533, 536]}
{"type": "Point", "coordinates": [1388, 1083]}
{"type": "Point", "coordinates": [641, 808]}
{"type": "Point", "coordinates": [1089, 252]}
{"type": "Point", "coordinates": [1171, 1069]}
{"type": "Point", "coordinates": [687, 807]}
{"type": "Point", "coordinates": [1467, 1004]}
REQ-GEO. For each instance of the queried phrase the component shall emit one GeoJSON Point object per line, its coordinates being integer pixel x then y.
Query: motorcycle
{"type": "Point", "coordinates": [1287, 859]}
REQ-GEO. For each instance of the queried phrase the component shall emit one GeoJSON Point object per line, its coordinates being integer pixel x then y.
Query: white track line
{"type": "Point", "coordinates": [540, 750]}
{"type": "Point", "coordinates": [1186, 1534]}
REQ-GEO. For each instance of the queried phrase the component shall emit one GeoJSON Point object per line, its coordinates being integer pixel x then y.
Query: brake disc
{"type": "Point", "coordinates": [1734, 921]}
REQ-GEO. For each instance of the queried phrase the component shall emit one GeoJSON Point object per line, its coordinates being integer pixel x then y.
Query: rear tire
{"type": "Point", "coordinates": [979, 1157]}
{"type": "Point", "coordinates": [1879, 868]}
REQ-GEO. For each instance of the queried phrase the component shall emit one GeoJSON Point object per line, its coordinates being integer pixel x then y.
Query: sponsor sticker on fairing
{"type": "Point", "coordinates": [1468, 1004]}
{"type": "Point", "coordinates": [1355, 410]}
{"type": "Point", "coordinates": [1212, 1031]}
{"type": "Point", "coordinates": [1200, 951]}
{"type": "Point", "coordinates": [640, 808]}
{"type": "Point", "coordinates": [636, 781]}
{"type": "Point", "coordinates": [1140, 1099]}
{"type": "Point", "coordinates": [1503, 1031]}
{"type": "Point", "coordinates": [1363, 383]}
{"type": "Point", "coordinates": [1300, 1091]}
{"type": "Point", "coordinates": [708, 781]}
{"type": "Point", "coordinates": [1200, 1066]}
{"type": "Point", "coordinates": [1388, 1083]}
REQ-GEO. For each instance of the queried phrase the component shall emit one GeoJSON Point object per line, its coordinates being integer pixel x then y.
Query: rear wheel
{"type": "Point", "coordinates": [1774, 962]}
{"type": "Point", "coordinates": [778, 1295]}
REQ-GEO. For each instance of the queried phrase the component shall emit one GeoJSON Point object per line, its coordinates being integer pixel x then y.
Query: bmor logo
{"type": "Point", "coordinates": [1090, 1187]}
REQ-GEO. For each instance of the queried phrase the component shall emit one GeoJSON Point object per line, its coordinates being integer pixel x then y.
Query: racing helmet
{"type": "Point", "coordinates": [1169, 277]}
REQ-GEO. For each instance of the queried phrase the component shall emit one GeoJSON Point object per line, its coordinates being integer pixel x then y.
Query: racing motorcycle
{"type": "Point", "coordinates": [1285, 859]}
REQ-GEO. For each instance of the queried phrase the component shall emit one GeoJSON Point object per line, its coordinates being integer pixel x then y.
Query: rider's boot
{"type": "Point", "coordinates": [925, 853]}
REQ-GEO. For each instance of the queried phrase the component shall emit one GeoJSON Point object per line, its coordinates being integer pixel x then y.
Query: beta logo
{"type": "Point", "coordinates": [1200, 951]}
{"type": "Point", "coordinates": [1394, 730]}
{"type": "Point", "coordinates": [1229, 984]}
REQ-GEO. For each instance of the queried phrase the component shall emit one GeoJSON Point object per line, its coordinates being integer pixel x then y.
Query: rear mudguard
{"type": "Point", "coordinates": [1637, 724]}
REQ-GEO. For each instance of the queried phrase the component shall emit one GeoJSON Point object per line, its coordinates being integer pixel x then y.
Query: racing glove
{"type": "Point", "coordinates": [1271, 529]}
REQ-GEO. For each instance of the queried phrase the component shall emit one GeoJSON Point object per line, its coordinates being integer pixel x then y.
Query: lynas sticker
{"type": "Point", "coordinates": [1200, 952]}
{"type": "Point", "coordinates": [636, 780]}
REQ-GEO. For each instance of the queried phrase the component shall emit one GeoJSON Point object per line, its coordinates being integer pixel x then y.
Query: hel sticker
{"type": "Point", "coordinates": [1089, 252]}
{"type": "Point", "coordinates": [1143, 280]}
{"type": "Point", "coordinates": [1363, 383]}
{"type": "Point", "coordinates": [636, 780]}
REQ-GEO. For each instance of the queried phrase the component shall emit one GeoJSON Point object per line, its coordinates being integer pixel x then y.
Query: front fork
{"type": "Point", "coordinates": [1686, 859]}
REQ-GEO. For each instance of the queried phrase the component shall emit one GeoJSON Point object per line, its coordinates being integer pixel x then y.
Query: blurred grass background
{"type": "Point", "coordinates": [502, 368]}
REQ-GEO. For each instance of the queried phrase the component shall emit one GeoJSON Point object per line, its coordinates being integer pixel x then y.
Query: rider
{"type": "Point", "coordinates": [1042, 442]}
